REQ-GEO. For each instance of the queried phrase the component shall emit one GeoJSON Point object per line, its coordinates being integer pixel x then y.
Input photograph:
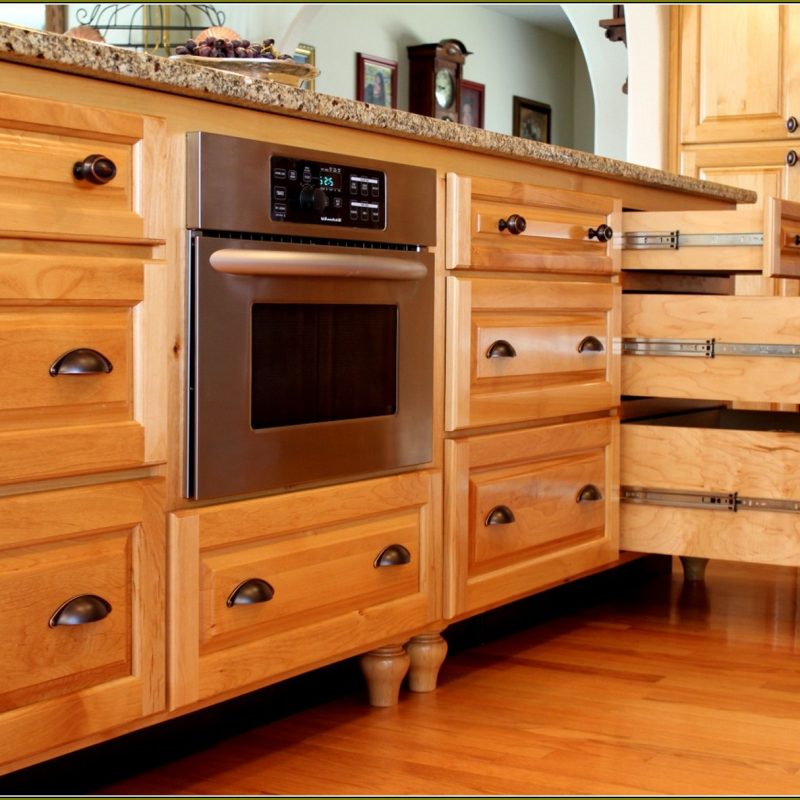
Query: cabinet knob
{"type": "Point", "coordinates": [791, 124]}
{"type": "Point", "coordinates": [514, 224]}
{"type": "Point", "coordinates": [602, 233]}
{"type": "Point", "coordinates": [82, 361]}
{"type": "Point", "coordinates": [588, 493]}
{"type": "Point", "coordinates": [499, 515]}
{"type": "Point", "coordinates": [95, 169]}
{"type": "Point", "coordinates": [392, 556]}
{"type": "Point", "coordinates": [590, 344]}
{"type": "Point", "coordinates": [501, 349]}
{"type": "Point", "coordinates": [791, 158]}
{"type": "Point", "coordinates": [249, 592]}
{"type": "Point", "coordinates": [80, 610]}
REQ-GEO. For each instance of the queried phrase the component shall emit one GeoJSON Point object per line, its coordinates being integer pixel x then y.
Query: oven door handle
{"type": "Point", "coordinates": [277, 263]}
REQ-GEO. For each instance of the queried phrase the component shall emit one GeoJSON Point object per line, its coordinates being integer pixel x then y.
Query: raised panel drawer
{"type": "Point", "coordinates": [41, 141]}
{"type": "Point", "coordinates": [709, 331]}
{"type": "Point", "coordinates": [763, 240]}
{"type": "Point", "coordinates": [312, 562]}
{"type": "Point", "coordinates": [558, 231]}
{"type": "Point", "coordinates": [522, 350]}
{"type": "Point", "coordinates": [92, 420]}
{"type": "Point", "coordinates": [528, 508]}
{"type": "Point", "coordinates": [63, 682]}
{"type": "Point", "coordinates": [716, 484]}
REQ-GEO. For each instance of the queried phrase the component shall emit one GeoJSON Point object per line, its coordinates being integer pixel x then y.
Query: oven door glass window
{"type": "Point", "coordinates": [319, 363]}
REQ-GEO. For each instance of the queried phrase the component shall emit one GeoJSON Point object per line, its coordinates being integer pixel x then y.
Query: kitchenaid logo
{"type": "Point", "coordinates": [330, 219]}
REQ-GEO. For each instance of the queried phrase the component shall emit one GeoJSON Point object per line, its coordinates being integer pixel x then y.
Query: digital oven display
{"type": "Point", "coordinates": [322, 193]}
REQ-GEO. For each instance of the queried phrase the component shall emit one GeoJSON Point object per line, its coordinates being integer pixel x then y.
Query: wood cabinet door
{"type": "Point", "coordinates": [97, 552]}
{"type": "Point", "coordinates": [738, 72]}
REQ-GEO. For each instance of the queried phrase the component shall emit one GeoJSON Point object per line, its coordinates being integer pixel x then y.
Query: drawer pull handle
{"type": "Point", "coordinates": [499, 515]}
{"type": "Point", "coordinates": [602, 233]}
{"type": "Point", "coordinates": [791, 124]}
{"type": "Point", "coordinates": [95, 169]}
{"type": "Point", "coordinates": [797, 240]}
{"type": "Point", "coordinates": [588, 493]}
{"type": "Point", "coordinates": [515, 224]}
{"type": "Point", "coordinates": [590, 343]}
{"type": "Point", "coordinates": [83, 361]}
{"type": "Point", "coordinates": [80, 610]}
{"type": "Point", "coordinates": [392, 556]}
{"type": "Point", "coordinates": [501, 349]}
{"type": "Point", "coordinates": [253, 590]}
{"type": "Point", "coordinates": [791, 158]}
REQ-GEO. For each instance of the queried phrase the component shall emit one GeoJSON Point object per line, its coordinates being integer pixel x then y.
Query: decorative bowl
{"type": "Point", "coordinates": [282, 70]}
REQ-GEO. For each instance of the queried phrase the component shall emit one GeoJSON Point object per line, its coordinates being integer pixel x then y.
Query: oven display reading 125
{"type": "Point", "coordinates": [330, 178]}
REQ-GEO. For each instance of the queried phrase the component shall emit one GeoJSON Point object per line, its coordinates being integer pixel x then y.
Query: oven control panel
{"type": "Point", "coordinates": [317, 192]}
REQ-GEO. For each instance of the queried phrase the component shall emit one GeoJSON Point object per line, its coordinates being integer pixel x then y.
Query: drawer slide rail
{"type": "Point", "coordinates": [712, 501]}
{"type": "Point", "coordinates": [705, 348]}
{"type": "Point", "coordinates": [674, 240]}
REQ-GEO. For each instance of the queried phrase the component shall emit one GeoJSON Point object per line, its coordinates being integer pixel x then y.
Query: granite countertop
{"type": "Point", "coordinates": [78, 56]}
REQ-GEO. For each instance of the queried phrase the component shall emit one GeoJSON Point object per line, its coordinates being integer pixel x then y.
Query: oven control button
{"type": "Point", "coordinates": [279, 209]}
{"type": "Point", "coordinates": [279, 173]}
{"type": "Point", "coordinates": [279, 192]}
{"type": "Point", "coordinates": [364, 189]}
{"type": "Point", "coordinates": [364, 215]}
{"type": "Point", "coordinates": [353, 187]}
{"type": "Point", "coordinates": [376, 191]}
{"type": "Point", "coordinates": [337, 202]}
{"type": "Point", "coordinates": [354, 214]}
{"type": "Point", "coordinates": [292, 175]}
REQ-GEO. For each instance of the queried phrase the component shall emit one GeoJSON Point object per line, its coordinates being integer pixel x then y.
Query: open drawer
{"type": "Point", "coordinates": [721, 483]}
{"type": "Point", "coordinates": [732, 348]}
{"type": "Point", "coordinates": [758, 240]}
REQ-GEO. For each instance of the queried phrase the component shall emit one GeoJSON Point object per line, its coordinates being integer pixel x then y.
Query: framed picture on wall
{"type": "Point", "coordinates": [531, 120]}
{"type": "Point", "coordinates": [471, 109]}
{"type": "Point", "coordinates": [376, 80]}
{"type": "Point", "coordinates": [306, 54]}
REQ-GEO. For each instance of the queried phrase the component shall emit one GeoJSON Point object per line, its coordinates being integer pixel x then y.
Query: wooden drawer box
{"type": "Point", "coordinates": [683, 477]}
{"type": "Point", "coordinates": [90, 672]}
{"type": "Point", "coordinates": [521, 350]}
{"type": "Point", "coordinates": [264, 588]}
{"type": "Point", "coordinates": [526, 509]}
{"type": "Point", "coordinates": [764, 240]}
{"type": "Point", "coordinates": [41, 141]}
{"type": "Point", "coordinates": [509, 226]}
{"type": "Point", "coordinates": [732, 348]}
{"type": "Point", "coordinates": [80, 373]}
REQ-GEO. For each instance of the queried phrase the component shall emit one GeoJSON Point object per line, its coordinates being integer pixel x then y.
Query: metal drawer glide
{"type": "Point", "coordinates": [724, 501]}
{"type": "Point", "coordinates": [674, 240]}
{"type": "Point", "coordinates": [705, 348]}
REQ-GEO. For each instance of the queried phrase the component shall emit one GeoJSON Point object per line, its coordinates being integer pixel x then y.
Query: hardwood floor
{"type": "Point", "coordinates": [646, 687]}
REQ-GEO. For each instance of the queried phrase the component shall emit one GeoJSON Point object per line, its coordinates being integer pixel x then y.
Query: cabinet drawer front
{"type": "Point", "coordinates": [40, 143]}
{"type": "Point", "coordinates": [313, 577]}
{"type": "Point", "coordinates": [555, 237]}
{"type": "Point", "coordinates": [528, 508]}
{"type": "Point", "coordinates": [727, 320]}
{"type": "Point", "coordinates": [325, 599]}
{"type": "Point", "coordinates": [784, 226]}
{"type": "Point", "coordinates": [105, 542]}
{"type": "Point", "coordinates": [525, 350]}
{"type": "Point", "coordinates": [545, 505]}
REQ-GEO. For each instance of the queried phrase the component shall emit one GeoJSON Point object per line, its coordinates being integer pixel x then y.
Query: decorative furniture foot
{"type": "Point", "coordinates": [384, 670]}
{"type": "Point", "coordinates": [427, 652]}
{"type": "Point", "coordinates": [694, 568]}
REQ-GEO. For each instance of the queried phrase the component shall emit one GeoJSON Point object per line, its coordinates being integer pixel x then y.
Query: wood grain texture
{"type": "Point", "coordinates": [647, 688]}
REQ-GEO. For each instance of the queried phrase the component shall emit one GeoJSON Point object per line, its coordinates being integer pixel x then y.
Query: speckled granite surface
{"type": "Point", "coordinates": [78, 56]}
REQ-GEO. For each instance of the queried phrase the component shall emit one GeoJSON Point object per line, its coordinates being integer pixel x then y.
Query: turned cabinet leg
{"type": "Point", "coordinates": [427, 652]}
{"type": "Point", "coordinates": [694, 568]}
{"type": "Point", "coordinates": [384, 670]}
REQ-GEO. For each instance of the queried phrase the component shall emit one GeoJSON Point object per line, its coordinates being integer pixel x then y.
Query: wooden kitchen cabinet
{"type": "Point", "coordinates": [264, 588]}
{"type": "Point", "coordinates": [100, 664]}
{"type": "Point", "coordinates": [508, 226]}
{"type": "Point", "coordinates": [737, 76]}
{"type": "Point", "coordinates": [528, 508]}
{"type": "Point", "coordinates": [522, 350]}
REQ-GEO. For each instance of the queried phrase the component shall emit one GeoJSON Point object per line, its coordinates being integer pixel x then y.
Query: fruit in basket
{"type": "Point", "coordinates": [219, 42]}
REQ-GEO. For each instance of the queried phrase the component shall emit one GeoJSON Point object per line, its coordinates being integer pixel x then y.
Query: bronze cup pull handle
{"type": "Point", "coordinates": [591, 344]}
{"type": "Point", "coordinates": [250, 592]}
{"type": "Point", "coordinates": [80, 610]}
{"type": "Point", "coordinates": [501, 349]}
{"type": "Point", "coordinates": [588, 493]}
{"type": "Point", "coordinates": [392, 556]}
{"type": "Point", "coordinates": [499, 515]}
{"type": "Point", "coordinates": [81, 361]}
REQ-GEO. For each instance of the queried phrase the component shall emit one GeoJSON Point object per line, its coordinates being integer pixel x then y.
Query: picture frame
{"type": "Point", "coordinates": [306, 54]}
{"type": "Point", "coordinates": [470, 110]}
{"type": "Point", "coordinates": [376, 80]}
{"type": "Point", "coordinates": [532, 120]}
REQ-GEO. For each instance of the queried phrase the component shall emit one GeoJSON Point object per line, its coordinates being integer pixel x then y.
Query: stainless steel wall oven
{"type": "Point", "coordinates": [310, 315]}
